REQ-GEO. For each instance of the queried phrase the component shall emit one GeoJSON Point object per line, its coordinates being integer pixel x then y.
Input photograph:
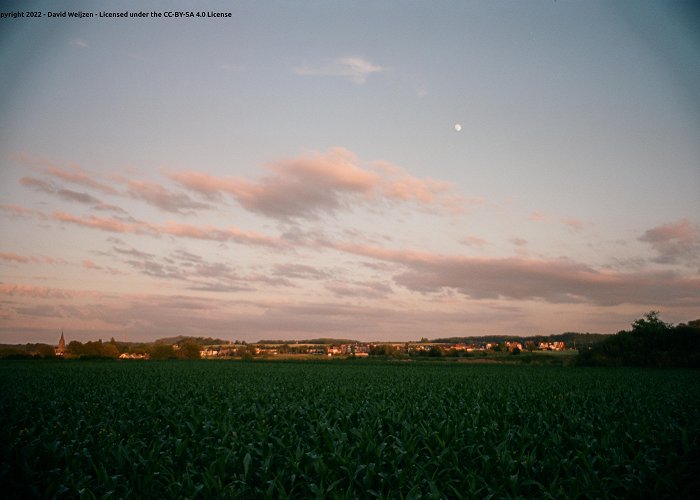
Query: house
{"type": "Point", "coordinates": [551, 346]}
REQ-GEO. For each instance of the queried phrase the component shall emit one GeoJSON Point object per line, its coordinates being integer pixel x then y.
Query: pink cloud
{"type": "Point", "coordinates": [158, 196]}
{"type": "Point", "coordinates": [318, 183]}
{"type": "Point", "coordinates": [474, 241]}
{"type": "Point", "coordinates": [676, 242]}
{"type": "Point", "coordinates": [400, 186]}
{"type": "Point", "coordinates": [23, 259]}
{"type": "Point", "coordinates": [101, 223]}
{"type": "Point", "coordinates": [306, 187]}
{"type": "Point", "coordinates": [69, 173]}
{"type": "Point", "coordinates": [217, 234]}
{"type": "Point", "coordinates": [682, 230]}
{"type": "Point", "coordinates": [88, 264]}
{"type": "Point", "coordinates": [37, 292]}
{"type": "Point", "coordinates": [80, 177]}
{"type": "Point", "coordinates": [14, 257]}
{"type": "Point", "coordinates": [208, 185]}
{"type": "Point", "coordinates": [48, 260]}
{"type": "Point", "coordinates": [553, 281]}
{"type": "Point", "coordinates": [367, 290]}
{"type": "Point", "coordinates": [170, 228]}
{"type": "Point", "coordinates": [536, 216]}
{"type": "Point", "coordinates": [51, 188]}
{"type": "Point", "coordinates": [573, 223]}
{"type": "Point", "coordinates": [150, 192]}
{"type": "Point", "coordinates": [19, 211]}
{"type": "Point", "coordinates": [39, 184]}
{"type": "Point", "coordinates": [300, 271]}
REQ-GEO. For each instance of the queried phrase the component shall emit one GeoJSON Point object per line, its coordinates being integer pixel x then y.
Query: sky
{"type": "Point", "coordinates": [365, 170]}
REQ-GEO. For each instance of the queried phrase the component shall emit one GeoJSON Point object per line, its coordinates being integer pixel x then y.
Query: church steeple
{"type": "Point", "coordinates": [61, 346]}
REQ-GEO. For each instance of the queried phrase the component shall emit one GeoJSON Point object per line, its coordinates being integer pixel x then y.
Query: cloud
{"type": "Point", "coordinates": [537, 216]}
{"type": "Point", "coordinates": [357, 69]}
{"type": "Point", "coordinates": [554, 281]}
{"type": "Point", "coordinates": [38, 184]}
{"type": "Point", "coordinates": [151, 267]}
{"type": "Point", "coordinates": [170, 228]}
{"type": "Point", "coordinates": [73, 174]}
{"type": "Point", "coordinates": [23, 259]}
{"type": "Point", "coordinates": [100, 223]}
{"type": "Point", "coordinates": [41, 311]}
{"type": "Point", "coordinates": [86, 198]}
{"type": "Point", "coordinates": [396, 184]}
{"type": "Point", "coordinates": [14, 257]}
{"type": "Point", "coordinates": [194, 271]}
{"type": "Point", "coordinates": [366, 290]}
{"type": "Point", "coordinates": [77, 42]}
{"type": "Point", "coordinates": [143, 317]}
{"type": "Point", "coordinates": [205, 184]}
{"type": "Point", "coordinates": [300, 271]}
{"type": "Point", "coordinates": [474, 241]}
{"type": "Point", "coordinates": [302, 187]}
{"type": "Point", "coordinates": [88, 264]}
{"type": "Point", "coordinates": [152, 193]}
{"type": "Point", "coordinates": [322, 183]}
{"type": "Point", "coordinates": [104, 207]}
{"type": "Point", "coordinates": [51, 188]}
{"type": "Point", "coordinates": [37, 292]}
{"type": "Point", "coordinates": [19, 211]}
{"type": "Point", "coordinates": [675, 243]}
{"type": "Point", "coordinates": [573, 223]}
{"type": "Point", "coordinates": [156, 195]}
{"type": "Point", "coordinates": [217, 234]}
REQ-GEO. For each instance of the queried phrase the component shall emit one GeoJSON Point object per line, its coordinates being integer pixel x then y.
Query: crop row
{"type": "Point", "coordinates": [347, 429]}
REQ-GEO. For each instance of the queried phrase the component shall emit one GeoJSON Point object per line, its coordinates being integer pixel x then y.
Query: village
{"type": "Point", "coordinates": [362, 349]}
{"type": "Point", "coordinates": [182, 347]}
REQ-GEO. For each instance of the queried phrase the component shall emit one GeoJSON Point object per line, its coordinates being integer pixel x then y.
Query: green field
{"type": "Point", "coordinates": [345, 429]}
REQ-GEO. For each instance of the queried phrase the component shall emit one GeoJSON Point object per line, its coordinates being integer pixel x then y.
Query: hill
{"type": "Point", "coordinates": [320, 341]}
{"type": "Point", "coordinates": [571, 339]}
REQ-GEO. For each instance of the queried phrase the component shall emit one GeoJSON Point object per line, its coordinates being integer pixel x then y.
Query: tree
{"type": "Point", "coordinates": [651, 323]}
{"type": "Point", "coordinates": [435, 352]}
{"type": "Point", "coordinates": [190, 350]}
{"type": "Point", "coordinates": [45, 351]}
{"type": "Point", "coordinates": [650, 342]}
{"type": "Point", "coordinates": [162, 351]}
{"type": "Point", "coordinates": [75, 348]}
{"type": "Point", "coordinates": [110, 350]}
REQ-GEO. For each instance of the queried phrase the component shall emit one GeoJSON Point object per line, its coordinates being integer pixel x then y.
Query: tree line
{"type": "Point", "coordinates": [650, 342]}
{"type": "Point", "coordinates": [185, 349]}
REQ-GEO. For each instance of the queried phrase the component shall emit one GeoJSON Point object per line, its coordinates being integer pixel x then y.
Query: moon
{"type": "Point", "coordinates": [458, 127]}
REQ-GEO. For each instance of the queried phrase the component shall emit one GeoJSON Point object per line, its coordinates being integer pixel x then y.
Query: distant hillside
{"type": "Point", "coordinates": [569, 338]}
{"type": "Point", "coordinates": [181, 339]}
{"type": "Point", "coordinates": [309, 341]}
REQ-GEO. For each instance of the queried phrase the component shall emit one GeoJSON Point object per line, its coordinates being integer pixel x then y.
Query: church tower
{"type": "Point", "coordinates": [61, 346]}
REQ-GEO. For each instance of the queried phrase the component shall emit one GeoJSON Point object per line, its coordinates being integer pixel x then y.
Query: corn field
{"type": "Point", "coordinates": [347, 429]}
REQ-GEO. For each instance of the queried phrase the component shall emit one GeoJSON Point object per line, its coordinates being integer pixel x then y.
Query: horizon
{"type": "Point", "coordinates": [340, 340]}
{"type": "Point", "coordinates": [364, 171]}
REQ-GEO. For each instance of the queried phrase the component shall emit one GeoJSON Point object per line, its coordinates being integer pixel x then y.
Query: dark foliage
{"type": "Point", "coordinates": [651, 342]}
